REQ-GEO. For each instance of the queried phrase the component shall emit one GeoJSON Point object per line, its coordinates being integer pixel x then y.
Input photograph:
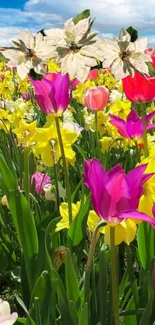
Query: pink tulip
{"type": "Point", "coordinates": [40, 181]}
{"type": "Point", "coordinates": [139, 88]}
{"type": "Point", "coordinates": [96, 98]}
{"type": "Point", "coordinates": [52, 96]}
{"type": "Point", "coordinates": [114, 194]}
{"type": "Point", "coordinates": [133, 126]}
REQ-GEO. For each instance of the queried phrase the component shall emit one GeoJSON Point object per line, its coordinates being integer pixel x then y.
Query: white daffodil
{"type": "Point", "coordinates": [6, 318]}
{"type": "Point", "coordinates": [75, 48]}
{"type": "Point", "coordinates": [124, 56]}
{"type": "Point", "coordinates": [29, 52]}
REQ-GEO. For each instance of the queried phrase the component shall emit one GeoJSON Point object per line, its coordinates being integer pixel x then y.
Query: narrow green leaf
{"type": "Point", "coordinates": [84, 315]}
{"type": "Point", "coordinates": [103, 287]}
{"type": "Point", "coordinates": [74, 313]}
{"type": "Point", "coordinates": [78, 226]}
{"type": "Point", "coordinates": [72, 286]}
{"type": "Point", "coordinates": [145, 320]}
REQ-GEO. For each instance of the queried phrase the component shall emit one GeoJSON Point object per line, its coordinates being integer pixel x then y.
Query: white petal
{"type": "Point", "coordinates": [4, 308]}
{"type": "Point", "coordinates": [27, 38]}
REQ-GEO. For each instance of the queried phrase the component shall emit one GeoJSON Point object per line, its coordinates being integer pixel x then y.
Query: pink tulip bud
{"type": "Point", "coordinates": [96, 98]}
{"type": "Point", "coordinates": [26, 96]}
{"type": "Point", "coordinates": [92, 75]}
{"type": "Point", "coordinates": [40, 181]}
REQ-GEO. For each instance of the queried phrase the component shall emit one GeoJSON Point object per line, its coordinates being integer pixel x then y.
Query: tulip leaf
{"type": "Point", "coordinates": [72, 286]}
{"type": "Point", "coordinates": [145, 320]}
{"type": "Point", "coordinates": [84, 315]}
{"type": "Point", "coordinates": [103, 287]}
{"type": "Point", "coordinates": [84, 14]}
{"type": "Point", "coordinates": [23, 220]}
{"type": "Point", "coordinates": [78, 226]}
{"type": "Point", "coordinates": [146, 244]}
{"type": "Point", "coordinates": [74, 313]}
{"type": "Point", "coordinates": [133, 33]}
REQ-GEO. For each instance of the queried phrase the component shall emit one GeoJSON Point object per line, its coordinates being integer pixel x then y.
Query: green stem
{"type": "Point", "coordinates": [115, 296]}
{"type": "Point", "coordinates": [26, 174]}
{"type": "Point", "coordinates": [68, 190]}
{"type": "Point", "coordinates": [143, 112]}
{"type": "Point", "coordinates": [97, 137]}
{"type": "Point", "coordinates": [89, 263]}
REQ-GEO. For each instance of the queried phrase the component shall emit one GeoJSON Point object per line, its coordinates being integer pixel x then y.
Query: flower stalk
{"type": "Point", "coordinates": [26, 174]}
{"type": "Point", "coordinates": [67, 183]}
{"type": "Point", "coordinates": [115, 296]}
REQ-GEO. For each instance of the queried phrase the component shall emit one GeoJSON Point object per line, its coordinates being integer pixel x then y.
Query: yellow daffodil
{"type": "Point", "coordinates": [25, 132]}
{"type": "Point", "coordinates": [47, 144]}
{"type": "Point", "coordinates": [124, 231]}
{"type": "Point", "coordinates": [106, 79]}
{"type": "Point", "coordinates": [120, 108]}
{"type": "Point", "coordinates": [107, 143]}
{"type": "Point", "coordinates": [64, 222]}
{"type": "Point", "coordinates": [52, 66]}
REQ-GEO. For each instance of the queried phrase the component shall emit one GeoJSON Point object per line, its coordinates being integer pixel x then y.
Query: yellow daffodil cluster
{"type": "Point", "coordinates": [44, 141]}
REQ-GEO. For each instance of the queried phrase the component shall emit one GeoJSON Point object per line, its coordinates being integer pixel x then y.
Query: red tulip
{"type": "Point", "coordinates": [96, 98]}
{"type": "Point", "coordinates": [139, 88]}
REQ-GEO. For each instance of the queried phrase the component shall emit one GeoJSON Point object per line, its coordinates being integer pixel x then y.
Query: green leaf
{"type": "Point", "coordinates": [103, 287]}
{"type": "Point", "coordinates": [145, 320]}
{"type": "Point", "coordinates": [74, 313]}
{"type": "Point", "coordinates": [151, 69]}
{"type": "Point", "coordinates": [23, 221]}
{"type": "Point", "coordinates": [133, 33]}
{"type": "Point", "coordinates": [77, 229]}
{"type": "Point", "coordinates": [72, 286]}
{"type": "Point", "coordinates": [123, 284]}
{"type": "Point", "coordinates": [146, 244]}
{"type": "Point", "coordinates": [84, 315]}
{"type": "Point", "coordinates": [41, 292]}
{"type": "Point", "coordinates": [3, 58]}
{"type": "Point", "coordinates": [131, 319]}
{"type": "Point", "coordinates": [82, 15]}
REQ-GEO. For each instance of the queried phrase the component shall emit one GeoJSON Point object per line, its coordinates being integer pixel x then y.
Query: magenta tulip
{"type": "Point", "coordinates": [40, 181]}
{"type": "Point", "coordinates": [139, 88]}
{"type": "Point", "coordinates": [133, 126]}
{"type": "Point", "coordinates": [114, 194]}
{"type": "Point", "coordinates": [52, 96]}
{"type": "Point", "coordinates": [96, 98]}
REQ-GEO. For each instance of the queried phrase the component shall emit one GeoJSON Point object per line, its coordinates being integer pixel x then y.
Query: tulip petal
{"type": "Point", "coordinates": [120, 125]}
{"type": "Point", "coordinates": [132, 214]}
{"type": "Point", "coordinates": [134, 125]}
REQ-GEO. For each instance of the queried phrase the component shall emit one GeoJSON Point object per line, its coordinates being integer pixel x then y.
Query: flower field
{"type": "Point", "coordinates": [77, 178]}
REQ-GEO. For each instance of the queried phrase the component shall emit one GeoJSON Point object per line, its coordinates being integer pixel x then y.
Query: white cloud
{"type": "Point", "coordinates": [111, 16]}
{"type": "Point", "coordinates": [110, 13]}
{"type": "Point", "coordinates": [7, 34]}
{"type": "Point", "coordinates": [108, 35]}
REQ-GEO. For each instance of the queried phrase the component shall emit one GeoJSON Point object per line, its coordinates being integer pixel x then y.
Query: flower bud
{"type": "Point", "coordinates": [96, 98]}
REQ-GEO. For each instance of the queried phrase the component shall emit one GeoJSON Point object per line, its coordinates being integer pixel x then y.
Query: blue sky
{"type": "Point", "coordinates": [111, 16]}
